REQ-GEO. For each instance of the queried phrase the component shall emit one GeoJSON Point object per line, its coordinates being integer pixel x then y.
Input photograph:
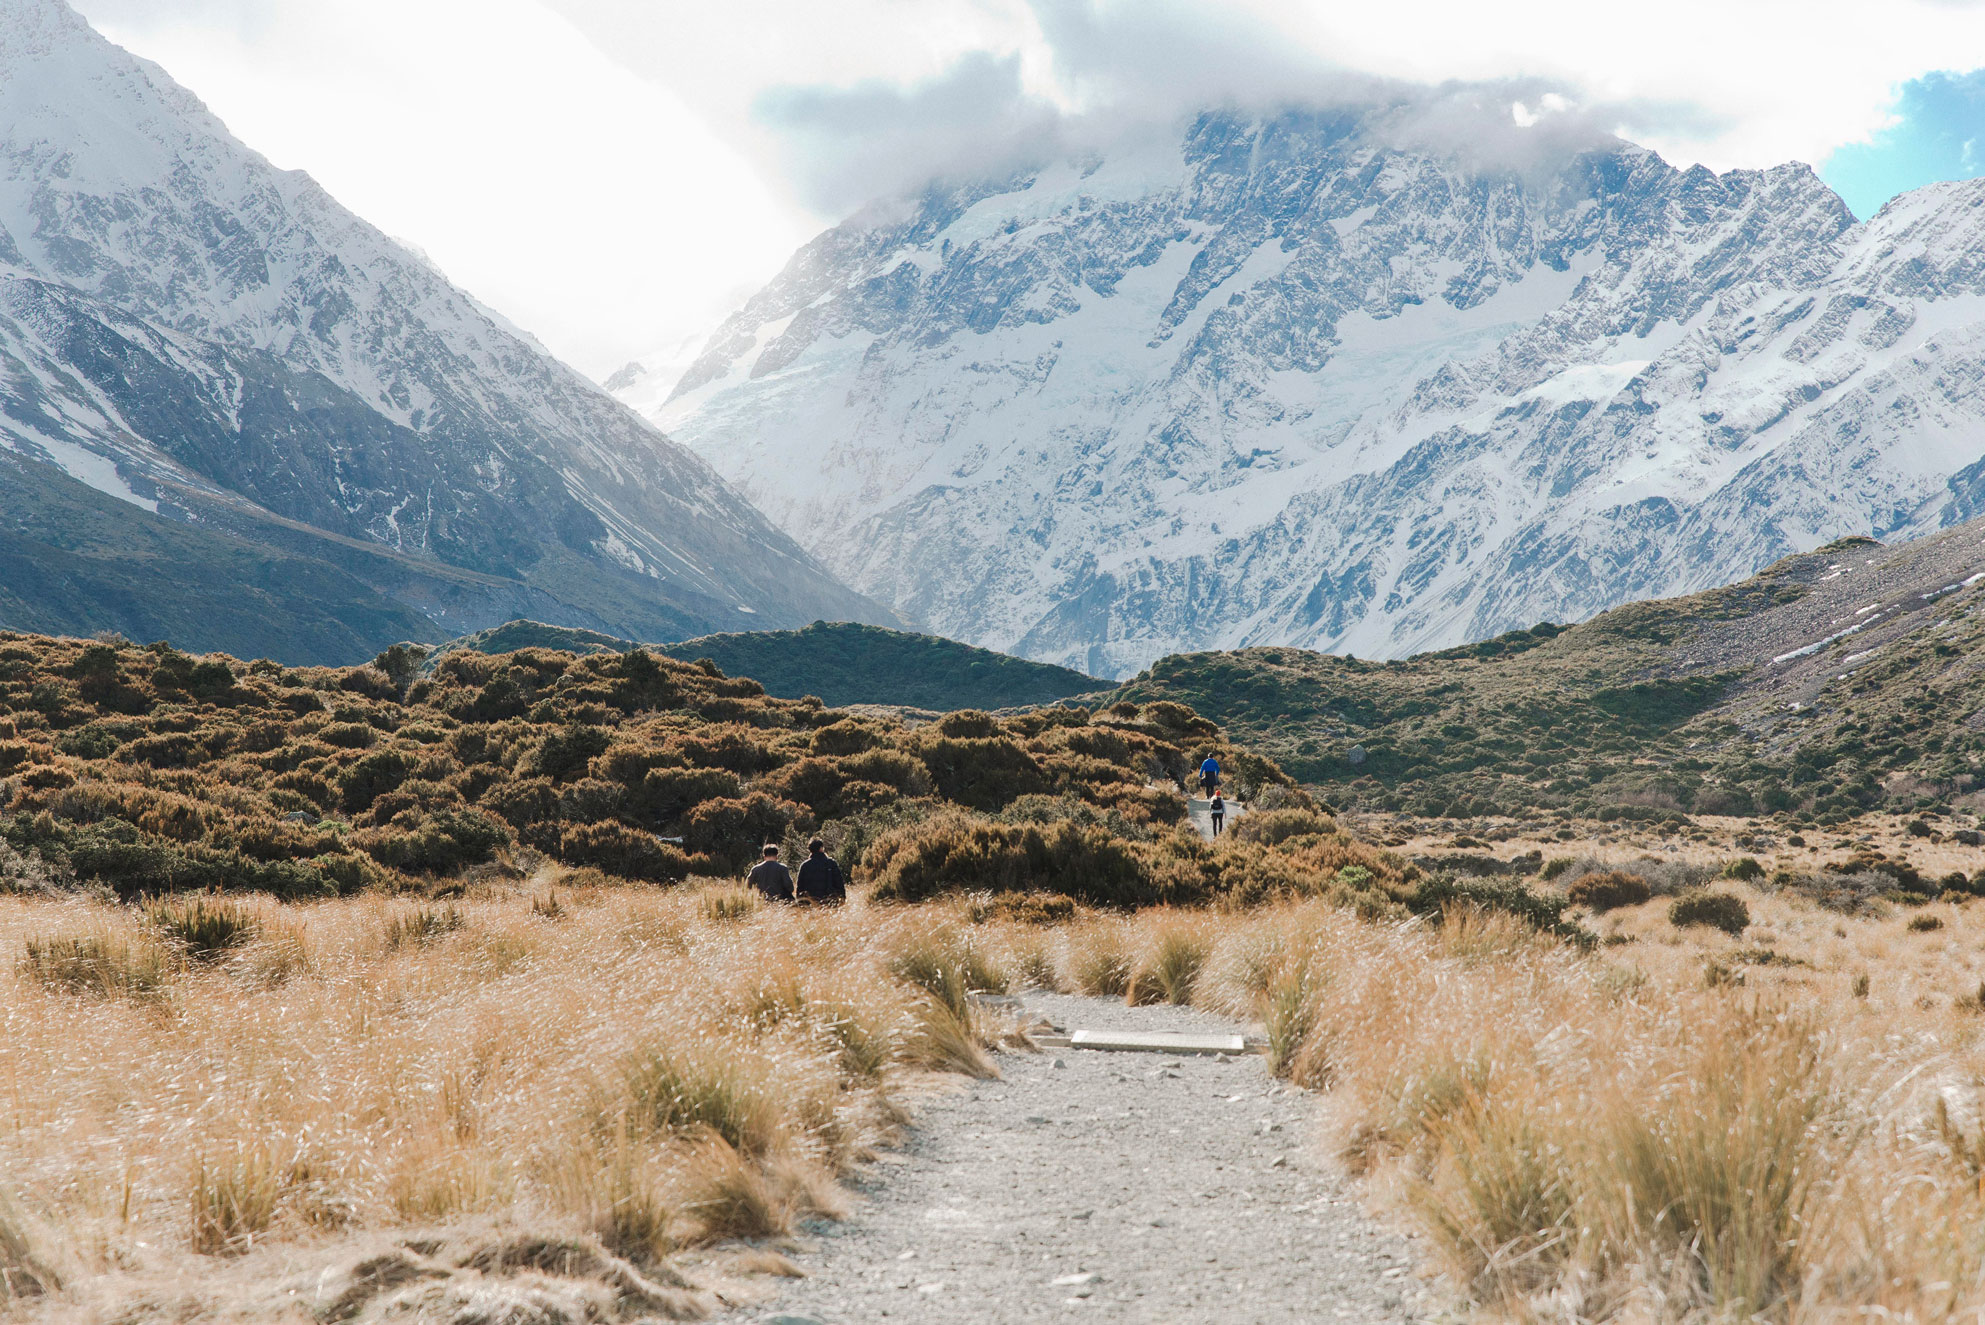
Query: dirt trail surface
{"type": "Point", "coordinates": [1201, 813]}
{"type": "Point", "coordinates": [1110, 1187]}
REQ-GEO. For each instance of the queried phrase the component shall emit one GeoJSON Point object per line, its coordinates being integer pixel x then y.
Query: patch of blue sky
{"type": "Point", "coordinates": [1938, 133]}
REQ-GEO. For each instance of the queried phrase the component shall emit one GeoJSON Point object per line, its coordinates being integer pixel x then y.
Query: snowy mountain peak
{"type": "Point", "coordinates": [1282, 380]}
{"type": "Point", "coordinates": [187, 328]}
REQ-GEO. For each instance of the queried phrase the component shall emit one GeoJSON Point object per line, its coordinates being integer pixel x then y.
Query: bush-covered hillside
{"type": "Point", "coordinates": [846, 663]}
{"type": "Point", "coordinates": [1743, 700]}
{"type": "Point", "coordinates": [839, 662]}
{"type": "Point", "coordinates": [148, 770]}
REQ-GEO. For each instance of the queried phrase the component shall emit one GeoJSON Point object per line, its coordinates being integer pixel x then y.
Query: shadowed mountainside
{"type": "Point", "coordinates": [841, 662]}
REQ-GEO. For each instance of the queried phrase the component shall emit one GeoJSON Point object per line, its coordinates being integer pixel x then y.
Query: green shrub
{"type": "Point", "coordinates": [445, 840]}
{"type": "Point", "coordinates": [627, 852]}
{"type": "Point", "coordinates": [734, 830]}
{"type": "Point", "coordinates": [1272, 827]}
{"type": "Point", "coordinates": [982, 774]}
{"type": "Point", "coordinates": [1701, 906]}
{"type": "Point", "coordinates": [664, 795]}
{"type": "Point", "coordinates": [965, 853]}
{"type": "Point", "coordinates": [1437, 893]}
{"type": "Point", "coordinates": [1743, 868]}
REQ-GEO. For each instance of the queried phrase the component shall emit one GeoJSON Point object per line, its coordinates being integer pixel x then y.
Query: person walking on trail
{"type": "Point", "coordinates": [1219, 812]}
{"type": "Point", "coordinates": [772, 879]}
{"type": "Point", "coordinates": [820, 877]}
{"type": "Point", "coordinates": [1209, 775]}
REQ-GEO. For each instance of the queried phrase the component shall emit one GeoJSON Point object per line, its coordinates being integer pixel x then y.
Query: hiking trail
{"type": "Point", "coordinates": [1132, 1187]}
{"type": "Point", "coordinates": [1200, 811]}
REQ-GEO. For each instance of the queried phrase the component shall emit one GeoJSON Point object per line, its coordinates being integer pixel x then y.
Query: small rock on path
{"type": "Point", "coordinates": [1111, 1187]}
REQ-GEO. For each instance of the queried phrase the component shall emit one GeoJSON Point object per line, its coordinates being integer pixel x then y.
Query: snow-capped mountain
{"type": "Point", "coordinates": [197, 333]}
{"type": "Point", "coordinates": [1282, 380]}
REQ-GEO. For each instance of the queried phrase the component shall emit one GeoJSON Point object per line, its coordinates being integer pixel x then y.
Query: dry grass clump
{"type": "Point", "coordinates": [206, 929]}
{"type": "Point", "coordinates": [1169, 969]}
{"type": "Point", "coordinates": [1100, 958]}
{"type": "Point", "coordinates": [726, 902]}
{"type": "Point", "coordinates": [637, 1076]}
{"type": "Point", "coordinates": [1582, 1140]}
{"type": "Point", "coordinates": [22, 1275]}
{"type": "Point", "coordinates": [421, 925]}
{"type": "Point", "coordinates": [106, 960]}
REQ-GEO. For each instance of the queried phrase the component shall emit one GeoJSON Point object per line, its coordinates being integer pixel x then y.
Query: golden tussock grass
{"type": "Point", "coordinates": [1608, 1136]}
{"type": "Point", "coordinates": [641, 1073]}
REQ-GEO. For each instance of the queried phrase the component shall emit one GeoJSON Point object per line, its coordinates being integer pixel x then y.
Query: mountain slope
{"type": "Point", "coordinates": [1286, 380]}
{"type": "Point", "coordinates": [1836, 681]}
{"type": "Point", "coordinates": [839, 662]}
{"type": "Point", "coordinates": [74, 562]}
{"type": "Point", "coordinates": [194, 332]}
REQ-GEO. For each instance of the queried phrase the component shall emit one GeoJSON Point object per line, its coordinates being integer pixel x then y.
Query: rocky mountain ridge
{"type": "Point", "coordinates": [1281, 380]}
{"type": "Point", "coordinates": [210, 339]}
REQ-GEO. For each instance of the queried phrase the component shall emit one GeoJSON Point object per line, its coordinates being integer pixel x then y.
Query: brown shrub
{"type": "Point", "coordinates": [1608, 891]}
{"type": "Point", "coordinates": [620, 850]}
{"type": "Point", "coordinates": [958, 852]}
{"type": "Point", "coordinates": [1273, 827]}
{"type": "Point", "coordinates": [732, 830]}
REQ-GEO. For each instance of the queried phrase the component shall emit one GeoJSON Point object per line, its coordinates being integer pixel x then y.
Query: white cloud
{"type": "Point", "coordinates": [588, 204]}
{"type": "Point", "coordinates": [612, 172]}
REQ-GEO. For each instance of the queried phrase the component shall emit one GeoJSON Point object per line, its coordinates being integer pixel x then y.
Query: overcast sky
{"type": "Point", "coordinates": [615, 175]}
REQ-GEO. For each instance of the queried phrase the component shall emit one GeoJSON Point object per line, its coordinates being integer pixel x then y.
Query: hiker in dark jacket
{"type": "Point", "coordinates": [1219, 811]}
{"type": "Point", "coordinates": [771, 878]}
{"type": "Point", "coordinates": [820, 877]}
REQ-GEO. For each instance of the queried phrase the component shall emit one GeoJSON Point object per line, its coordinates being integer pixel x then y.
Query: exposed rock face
{"type": "Point", "coordinates": [195, 332]}
{"type": "Point", "coordinates": [1277, 381]}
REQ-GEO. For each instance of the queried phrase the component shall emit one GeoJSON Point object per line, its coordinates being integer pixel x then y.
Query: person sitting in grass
{"type": "Point", "coordinates": [1219, 811]}
{"type": "Point", "coordinates": [771, 878]}
{"type": "Point", "coordinates": [820, 877]}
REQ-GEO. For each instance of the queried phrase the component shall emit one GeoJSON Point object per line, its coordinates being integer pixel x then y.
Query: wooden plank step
{"type": "Point", "coordinates": [1158, 1042]}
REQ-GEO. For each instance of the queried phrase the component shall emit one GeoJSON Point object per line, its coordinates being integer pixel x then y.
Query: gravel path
{"type": "Point", "coordinates": [1111, 1186]}
{"type": "Point", "coordinates": [1201, 813]}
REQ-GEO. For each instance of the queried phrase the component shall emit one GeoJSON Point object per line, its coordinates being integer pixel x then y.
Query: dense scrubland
{"type": "Point", "coordinates": [348, 993]}
{"type": "Point", "coordinates": [144, 770]}
{"type": "Point", "coordinates": [840, 662]}
{"type": "Point", "coordinates": [1653, 711]}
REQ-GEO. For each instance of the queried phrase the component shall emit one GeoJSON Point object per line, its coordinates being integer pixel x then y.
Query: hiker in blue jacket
{"type": "Point", "coordinates": [1209, 775]}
